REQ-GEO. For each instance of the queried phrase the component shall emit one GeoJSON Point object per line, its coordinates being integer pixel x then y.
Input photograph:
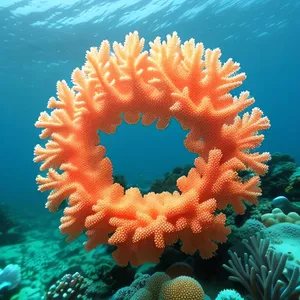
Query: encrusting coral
{"type": "Point", "coordinates": [278, 216]}
{"type": "Point", "coordinates": [68, 287]}
{"type": "Point", "coordinates": [184, 82]}
{"type": "Point", "coordinates": [159, 286]}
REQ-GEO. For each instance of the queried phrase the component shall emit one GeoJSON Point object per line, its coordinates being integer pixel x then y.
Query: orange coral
{"type": "Point", "coordinates": [184, 82]}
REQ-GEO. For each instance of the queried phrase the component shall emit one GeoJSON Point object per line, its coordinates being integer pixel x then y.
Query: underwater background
{"type": "Point", "coordinates": [42, 41]}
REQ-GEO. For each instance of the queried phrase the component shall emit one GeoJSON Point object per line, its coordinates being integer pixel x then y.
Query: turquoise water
{"type": "Point", "coordinates": [43, 41]}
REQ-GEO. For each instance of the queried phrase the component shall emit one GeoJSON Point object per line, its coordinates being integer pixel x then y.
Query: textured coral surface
{"type": "Point", "coordinates": [172, 80]}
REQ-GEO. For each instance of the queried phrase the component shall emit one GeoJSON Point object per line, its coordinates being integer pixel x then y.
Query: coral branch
{"type": "Point", "coordinates": [184, 82]}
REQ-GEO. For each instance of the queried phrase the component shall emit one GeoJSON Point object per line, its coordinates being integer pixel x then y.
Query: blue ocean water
{"type": "Point", "coordinates": [43, 41]}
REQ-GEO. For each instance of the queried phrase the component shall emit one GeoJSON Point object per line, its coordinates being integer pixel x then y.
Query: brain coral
{"type": "Point", "coordinates": [182, 288]}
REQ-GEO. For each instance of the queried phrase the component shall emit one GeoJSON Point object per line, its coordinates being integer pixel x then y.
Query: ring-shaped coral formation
{"type": "Point", "coordinates": [184, 82]}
